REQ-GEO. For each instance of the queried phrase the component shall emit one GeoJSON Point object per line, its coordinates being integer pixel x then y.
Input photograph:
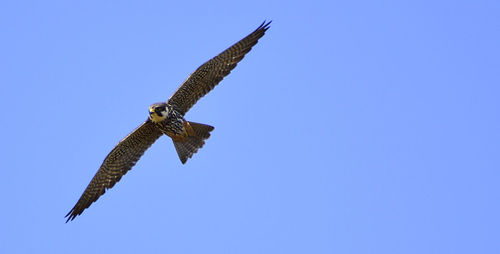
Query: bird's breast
{"type": "Point", "coordinates": [173, 127]}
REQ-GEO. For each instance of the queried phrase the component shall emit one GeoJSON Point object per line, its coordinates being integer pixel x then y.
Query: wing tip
{"type": "Point", "coordinates": [71, 215]}
{"type": "Point", "coordinates": [265, 25]}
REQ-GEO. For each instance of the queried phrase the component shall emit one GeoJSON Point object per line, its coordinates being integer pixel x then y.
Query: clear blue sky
{"type": "Point", "coordinates": [352, 127]}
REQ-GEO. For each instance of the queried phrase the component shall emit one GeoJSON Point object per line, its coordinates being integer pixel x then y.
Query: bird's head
{"type": "Point", "coordinates": [158, 112]}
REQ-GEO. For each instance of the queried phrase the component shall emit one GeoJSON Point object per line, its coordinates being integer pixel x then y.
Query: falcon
{"type": "Point", "coordinates": [167, 118]}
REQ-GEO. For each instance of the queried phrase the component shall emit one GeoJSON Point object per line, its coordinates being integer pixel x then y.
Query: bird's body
{"type": "Point", "coordinates": [188, 137]}
{"type": "Point", "coordinates": [170, 121]}
{"type": "Point", "coordinates": [167, 118]}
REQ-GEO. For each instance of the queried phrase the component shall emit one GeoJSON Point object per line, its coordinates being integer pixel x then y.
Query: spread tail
{"type": "Point", "coordinates": [195, 140]}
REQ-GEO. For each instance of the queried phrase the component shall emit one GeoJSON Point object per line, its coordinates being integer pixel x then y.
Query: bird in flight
{"type": "Point", "coordinates": [168, 118]}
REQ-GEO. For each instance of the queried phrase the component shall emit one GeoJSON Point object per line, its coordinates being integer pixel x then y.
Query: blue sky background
{"type": "Point", "coordinates": [352, 127]}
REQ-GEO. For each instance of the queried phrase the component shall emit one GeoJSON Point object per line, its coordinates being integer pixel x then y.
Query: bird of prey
{"type": "Point", "coordinates": [168, 118]}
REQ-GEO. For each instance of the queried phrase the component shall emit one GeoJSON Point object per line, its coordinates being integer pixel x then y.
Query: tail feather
{"type": "Point", "coordinates": [186, 149]}
{"type": "Point", "coordinates": [201, 130]}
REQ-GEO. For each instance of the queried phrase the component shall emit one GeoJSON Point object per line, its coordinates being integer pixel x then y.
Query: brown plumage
{"type": "Point", "coordinates": [208, 75]}
{"type": "Point", "coordinates": [168, 118]}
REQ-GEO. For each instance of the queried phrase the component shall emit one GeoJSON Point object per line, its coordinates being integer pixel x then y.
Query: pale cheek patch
{"type": "Point", "coordinates": [156, 118]}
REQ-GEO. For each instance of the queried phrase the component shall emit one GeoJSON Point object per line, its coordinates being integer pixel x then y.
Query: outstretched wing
{"type": "Point", "coordinates": [120, 160]}
{"type": "Point", "coordinates": [208, 75]}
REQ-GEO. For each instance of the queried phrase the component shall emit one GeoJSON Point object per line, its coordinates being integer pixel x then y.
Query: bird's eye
{"type": "Point", "coordinates": [159, 110]}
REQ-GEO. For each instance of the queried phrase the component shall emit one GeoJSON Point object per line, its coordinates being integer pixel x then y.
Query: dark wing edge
{"type": "Point", "coordinates": [208, 75]}
{"type": "Point", "coordinates": [120, 160]}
